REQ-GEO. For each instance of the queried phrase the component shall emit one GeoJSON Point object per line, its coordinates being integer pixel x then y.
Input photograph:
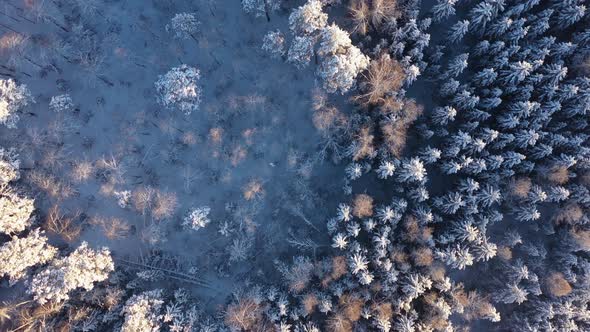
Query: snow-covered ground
{"type": "Point", "coordinates": [249, 153]}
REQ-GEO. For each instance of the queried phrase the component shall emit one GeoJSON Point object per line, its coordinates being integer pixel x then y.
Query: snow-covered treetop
{"type": "Point", "coordinates": [339, 71]}
{"type": "Point", "coordinates": [197, 218]}
{"type": "Point", "coordinates": [18, 254]}
{"type": "Point", "coordinates": [183, 25]}
{"type": "Point", "coordinates": [179, 89]}
{"type": "Point", "coordinates": [13, 97]}
{"type": "Point", "coordinates": [301, 51]}
{"type": "Point", "coordinates": [261, 8]}
{"type": "Point", "coordinates": [308, 18]}
{"type": "Point", "coordinates": [341, 61]}
{"type": "Point", "coordinates": [141, 312]}
{"type": "Point", "coordinates": [9, 166]}
{"type": "Point", "coordinates": [333, 40]}
{"type": "Point", "coordinates": [61, 103]}
{"type": "Point", "coordinates": [15, 211]}
{"type": "Point", "coordinates": [81, 269]}
{"type": "Point", "coordinates": [274, 44]}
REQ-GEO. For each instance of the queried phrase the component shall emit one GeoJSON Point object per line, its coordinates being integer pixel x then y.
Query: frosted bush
{"type": "Point", "coordinates": [197, 218]}
{"type": "Point", "coordinates": [142, 312]}
{"type": "Point", "coordinates": [153, 234]}
{"type": "Point", "coordinates": [259, 7]}
{"type": "Point", "coordinates": [183, 25]}
{"type": "Point", "coordinates": [81, 269]}
{"type": "Point", "coordinates": [9, 166]}
{"type": "Point", "coordinates": [274, 44]}
{"type": "Point", "coordinates": [18, 254]}
{"type": "Point", "coordinates": [178, 89]}
{"type": "Point", "coordinates": [301, 51]}
{"type": "Point", "coordinates": [123, 198]}
{"type": "Point", "coordinates": [13, 97]}
{"type": "Point", "coordinates": [61, 103]}
{"type": "Point", "coordinates": [308, 18]}
{"type": "Point", "coordinates": [15, 211]}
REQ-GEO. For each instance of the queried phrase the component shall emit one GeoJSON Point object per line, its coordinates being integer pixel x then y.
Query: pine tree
{"type": "Point", "coordinates": [481, 15]}
{"type": "Point", "coordinates": [568, 14]}
{"type": "Point", "coordinates": [456, 66]}
{"type": "Point", "coordinates": [518, 71]}
{"type": "Point", "coordinates": [443, 9]}
{"type": "Point", "coordinates": [307, 19]}
{"type": "Point", "coordinates": [412, 171]}
{"type": "Point", "coordinates": [512, 294]}
{"type": "Point", "coordinates": [386, 169]}
{"type": "Point", "coordinates": [485, 77]}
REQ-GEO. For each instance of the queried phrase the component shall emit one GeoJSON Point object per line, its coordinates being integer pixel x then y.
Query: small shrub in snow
{"type": "Point", "coordinates": [142, 312]}
{"type": "Point", "coordinates": [15, 211]}
{"type": "Point", "coordinates": [260, 8]}
{"type": "Point", "coordinates": [19, 254]}
{"type": "Point", "coordinates": [197, 218]}
{"type": "Point", "coordinates": [308, 18]}
{"type": "Point", "coordinates": [297, 275]}
{"type": "Point", "coordinates": [9, 166]}
{"type": "Point", "coordinates": [183, 25]}
{"type": "Point", "coordinates": [81, 269]}
{"type": "Point", "coordinates": [61, 103]}
{"type": "Point", "coordinates": [179, 89]}
{"type": "Point", "coordinates": [274, 44]}
{"type": "Point", "coordinates": [239, 249]}
{"type": "Point", "coordinates": [13, 97]}
{"type": "Point", "coordinates": [123, 198]}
